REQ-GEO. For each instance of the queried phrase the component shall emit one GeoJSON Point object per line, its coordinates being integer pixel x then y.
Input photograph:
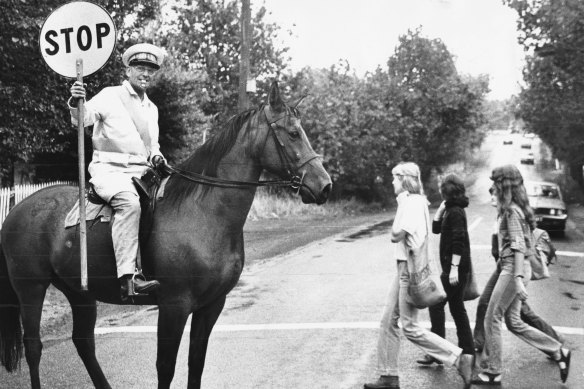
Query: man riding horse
{"type": "Point", "coordinates": [125, 145]}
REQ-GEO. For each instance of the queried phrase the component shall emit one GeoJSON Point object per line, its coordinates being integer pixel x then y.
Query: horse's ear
{"type": "Point", "coordinates": [274, 99]}
{"type": "Point", "coordinates": [297, 102]}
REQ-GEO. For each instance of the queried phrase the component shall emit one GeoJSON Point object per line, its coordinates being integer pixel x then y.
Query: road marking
{"type": "Point", "coordinates": [296, 326]}
{"type": "Point", "coordinates": [570, 254]}
{"type": "Point", "coordinates": [560, 253]}
{"type": "Point", "coordinates": [475, 223]}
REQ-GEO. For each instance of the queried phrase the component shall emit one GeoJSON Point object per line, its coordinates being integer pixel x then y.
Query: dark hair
{"type": "Point", "coordinates": [508, 184]}
{"type": "Point", "coordinates": [452, 187]}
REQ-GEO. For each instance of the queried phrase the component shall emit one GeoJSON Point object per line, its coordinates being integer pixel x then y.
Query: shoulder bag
{"type": "Point", "coordinates": [425, 287]}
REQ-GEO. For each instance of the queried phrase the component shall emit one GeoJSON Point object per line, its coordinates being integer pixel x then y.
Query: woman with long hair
{"type": "Point", "coordinates": [409, 232]}
{"type": "Point", "coordinates": [451, 223]}
{"type": "Point", "coordinates": [515, 225]}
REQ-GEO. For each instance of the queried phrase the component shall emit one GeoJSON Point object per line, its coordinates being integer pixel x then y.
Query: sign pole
{"type": "Point", "coordinates": [81, 152]}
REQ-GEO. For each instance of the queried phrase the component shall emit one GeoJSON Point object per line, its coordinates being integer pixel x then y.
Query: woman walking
{"type": "Point", "coordinates": [410, 231]}
{"type": "Point", "coordinates": [515, 226]}
{"type": "Point", "coordinates": [451, 223]}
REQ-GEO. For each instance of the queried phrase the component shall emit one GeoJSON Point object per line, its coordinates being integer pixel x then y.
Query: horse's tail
{"type": "Point", "coordinates": [10, 328]}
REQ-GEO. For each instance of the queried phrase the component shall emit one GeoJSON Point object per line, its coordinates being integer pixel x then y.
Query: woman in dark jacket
{"type": "Point", "coordinates": [450, 222]}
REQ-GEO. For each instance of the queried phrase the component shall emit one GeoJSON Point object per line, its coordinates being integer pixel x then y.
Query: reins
{"type": "Point", "coordinates": [295, 181]}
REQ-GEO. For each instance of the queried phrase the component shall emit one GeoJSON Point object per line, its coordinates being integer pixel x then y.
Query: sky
{"type": "Point", "coordinates": [481, 34]}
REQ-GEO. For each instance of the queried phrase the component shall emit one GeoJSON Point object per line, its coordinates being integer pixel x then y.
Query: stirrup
{"type": "Point", "coordinates": [131, 291]}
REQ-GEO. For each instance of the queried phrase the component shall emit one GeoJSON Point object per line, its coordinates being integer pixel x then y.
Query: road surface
{"type": "Point", "coordinates": [310, 318]}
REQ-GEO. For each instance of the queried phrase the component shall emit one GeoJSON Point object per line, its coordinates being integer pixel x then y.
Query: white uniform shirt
{"type": "Point", "coordinates": [412, 217]}
{"type": "Point", "coordinates": [119, 150]}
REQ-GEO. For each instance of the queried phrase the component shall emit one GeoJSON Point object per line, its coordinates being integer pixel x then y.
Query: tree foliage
{"type": "Point", "coordinates": [552, 32]}
{"type": "Point", "coordinates": [418, 109]}
{"type": "Point", "coordinates": [205, 34]}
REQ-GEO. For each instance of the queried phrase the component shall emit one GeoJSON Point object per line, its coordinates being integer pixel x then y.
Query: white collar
{"type": "Point", "coordinates": [126, 84]}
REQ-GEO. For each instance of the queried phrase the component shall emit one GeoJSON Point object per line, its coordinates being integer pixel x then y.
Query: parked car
{"type": "Point", "coordinates": [529, 135]}
{"type": "Point", "coordinates": [548, 205]}
{"type": "Point", "coordinates": [508, 140]}
{"type": "Point", "coordinates": [526, 145]}
{"type": "Point", "coordinates": [527, 158]}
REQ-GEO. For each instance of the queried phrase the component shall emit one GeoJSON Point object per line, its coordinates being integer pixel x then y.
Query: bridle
{"type": "Point", "coordinates": [295, 181]}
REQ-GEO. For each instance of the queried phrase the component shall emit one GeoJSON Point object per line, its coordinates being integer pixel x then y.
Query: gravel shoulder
{"type": "Point", "coordinates": [264, 239]}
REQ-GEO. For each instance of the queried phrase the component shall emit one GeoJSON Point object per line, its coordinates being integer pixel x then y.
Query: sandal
{"type": "Point", "coordinates": [564, 363]}
{"type": "Point", "coordinates": [487, 379]}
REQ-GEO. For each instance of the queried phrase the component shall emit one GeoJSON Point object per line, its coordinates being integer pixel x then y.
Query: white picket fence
{"type": "Point", "coordinates": [20, 192]}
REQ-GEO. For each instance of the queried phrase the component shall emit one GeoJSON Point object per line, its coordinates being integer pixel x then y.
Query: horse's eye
{"type": "Point", "coordinates": [295, 134]}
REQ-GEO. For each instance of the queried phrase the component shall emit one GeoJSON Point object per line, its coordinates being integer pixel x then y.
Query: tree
{"type": "Point", "coordinates": [552, 32]}
{"type": "Point", "coordinates": [205, 35]}
{"type": "Point", "coordinates": [437, 106]}
{"type": "Point", "coordinates": [364, 126]}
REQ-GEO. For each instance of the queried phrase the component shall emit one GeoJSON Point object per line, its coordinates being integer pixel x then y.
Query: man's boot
{"type": "Point", "coordinates": [384, 382]}
{"type": "Point", "coordinates": [131, 286]}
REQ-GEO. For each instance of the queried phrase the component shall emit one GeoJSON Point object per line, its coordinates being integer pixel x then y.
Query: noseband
{"type": "Point", "coordinates": [295, 181]}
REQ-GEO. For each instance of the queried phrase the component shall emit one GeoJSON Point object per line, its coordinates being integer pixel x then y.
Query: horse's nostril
{"type": "Point", "coordinates": [327, 190]}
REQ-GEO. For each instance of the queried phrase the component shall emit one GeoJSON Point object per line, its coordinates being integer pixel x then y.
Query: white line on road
{"type": "Point", "coordinates": [295, 326]}
{"type": "Point", "coordinates": [570, 253]}
{"type": "Point", "coordinates": [475, 223]}
{"type": "Point", "coordinates": [562, 253]}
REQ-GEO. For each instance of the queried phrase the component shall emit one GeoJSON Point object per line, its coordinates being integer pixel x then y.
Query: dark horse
{"type": "Point", "coordinates": [195, 246]}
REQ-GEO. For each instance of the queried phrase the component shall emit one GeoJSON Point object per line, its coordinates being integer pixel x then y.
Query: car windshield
{"type": "Point", "coordinates": [540, 190]}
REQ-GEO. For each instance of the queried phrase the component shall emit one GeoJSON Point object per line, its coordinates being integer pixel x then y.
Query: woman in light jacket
{"type": "Point", "coordinates": [410, 231]}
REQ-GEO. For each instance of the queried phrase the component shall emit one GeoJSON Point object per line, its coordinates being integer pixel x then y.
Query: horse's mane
{"type": "Point", "coordinates": [205, 160]}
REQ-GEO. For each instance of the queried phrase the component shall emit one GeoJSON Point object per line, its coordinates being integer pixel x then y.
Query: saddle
{"type": "Point", "coordinates": [147, 186]}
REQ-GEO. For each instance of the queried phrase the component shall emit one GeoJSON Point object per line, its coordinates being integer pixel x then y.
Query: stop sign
{"type": "Point", "coordinates": [77, 30]}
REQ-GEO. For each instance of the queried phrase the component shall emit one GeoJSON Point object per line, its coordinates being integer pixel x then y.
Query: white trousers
{"type": "Point", "coordinates": [125, 229]}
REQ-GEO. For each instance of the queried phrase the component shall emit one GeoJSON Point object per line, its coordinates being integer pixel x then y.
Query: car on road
{"type": "Point", "coordinates": [545, 198]}
{"type": "Point", "coordinates": [528, 158]}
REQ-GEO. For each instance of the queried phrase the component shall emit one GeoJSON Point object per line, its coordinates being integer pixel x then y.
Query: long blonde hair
{"type": "Point", "coordinates": [409, 176]}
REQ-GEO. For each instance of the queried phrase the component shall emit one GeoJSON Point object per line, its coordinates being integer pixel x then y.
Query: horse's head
{"type": "Point", "coordinates": [288, 153]}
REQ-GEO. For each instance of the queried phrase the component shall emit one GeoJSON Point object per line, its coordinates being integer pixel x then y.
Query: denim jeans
{"type": "Point", "coordinates": [125, 228]}
{"type": "Point", "coordinates": [397, 308]}
{"type": "Point", "coordinates": [454, 297]}
{"type": "Point", "coordinates": [505, 303]}
{"type": "Point", "coordinates": [527, 314]}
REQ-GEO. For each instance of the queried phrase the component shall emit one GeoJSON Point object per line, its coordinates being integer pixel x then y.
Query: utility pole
{"type": "Point", "coordinates": [243, 102]}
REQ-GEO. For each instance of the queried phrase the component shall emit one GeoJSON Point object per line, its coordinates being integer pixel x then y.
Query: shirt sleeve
{"type": "Point", "coordinates": [437, 226]}
{"type": "Point", "coordinates": [91, 110]}
{"type": "Point", "coordinates": [411, 218]}
{"type": "Point", "coordinates": [515, 232]}
{"type": "Point", "coordinates": [456, 220]}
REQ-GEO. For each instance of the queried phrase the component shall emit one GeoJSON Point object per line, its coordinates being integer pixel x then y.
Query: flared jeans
{"type": "Point", "coordinates": [505, 303]}
{"type": "Point", "coordinates": [398, 309]}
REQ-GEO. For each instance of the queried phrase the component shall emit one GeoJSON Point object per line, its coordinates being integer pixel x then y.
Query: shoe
{"type": "Point", "coordinates": [131, 286]}
{"type": "Point", "coordinates": [486, 379]}
{"type": "Point", "coordinates": [427, 360]}
{"type": "Point", "coordinates": [564, 363]}
{"type": "Point", "coordinates": [143, 286]}
{"type": "Point", "coordinates": [464, 367]}
{"type": "Point", "coordinates": [384, 382]}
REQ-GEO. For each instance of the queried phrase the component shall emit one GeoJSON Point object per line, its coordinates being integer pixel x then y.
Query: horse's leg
{"type": "Point", "coordinates": [84, 317]}
{"type": "Point", "coordinates": [172, 317]}
{"type": "Point", "coordinates": [202, 323]}
{"type": "Point", "coordinates": [31, 303]}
